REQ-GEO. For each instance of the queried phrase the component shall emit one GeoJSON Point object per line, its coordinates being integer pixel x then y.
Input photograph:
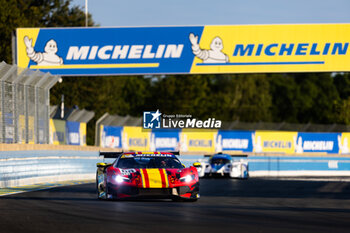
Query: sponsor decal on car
{"type": "Point", "coordinates": [127, 171]}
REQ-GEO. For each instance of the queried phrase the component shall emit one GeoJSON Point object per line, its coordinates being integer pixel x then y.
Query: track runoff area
{"type": "Point", "coordinates": [226, 205]}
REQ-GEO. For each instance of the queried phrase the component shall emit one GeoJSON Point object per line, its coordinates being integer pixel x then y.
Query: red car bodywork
{"type": "Point", "coordinates": [149, 182]}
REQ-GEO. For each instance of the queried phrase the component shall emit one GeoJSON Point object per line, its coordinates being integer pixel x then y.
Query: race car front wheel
{"type": "Point", "coordinates": [98, 188]}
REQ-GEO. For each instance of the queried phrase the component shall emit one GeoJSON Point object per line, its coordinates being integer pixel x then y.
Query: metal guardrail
{"type": "Point", "coordinates": [24, 104]}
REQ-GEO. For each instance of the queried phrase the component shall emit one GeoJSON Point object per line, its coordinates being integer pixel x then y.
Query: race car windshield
{"type": "Point", "coordinates": [149, 162]}
{"type": "Point", "coordinates": [219, 161]}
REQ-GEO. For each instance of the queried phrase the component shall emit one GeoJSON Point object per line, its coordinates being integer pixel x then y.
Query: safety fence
{"type": "Point", "coordinates": [210, 141]}
{"type": "Point", "coordinates": [24, 105]}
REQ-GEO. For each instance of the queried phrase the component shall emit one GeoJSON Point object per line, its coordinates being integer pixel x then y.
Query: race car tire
{"type": "Point", "coordinates": [97, 188]}
{"type": "Point", "coordinates": [107, 192]}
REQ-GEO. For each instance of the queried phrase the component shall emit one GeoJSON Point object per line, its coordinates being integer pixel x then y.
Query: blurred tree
{"type": "Point", "coordinates": [249, 98]}
{"type": "Point", "coordinates": [295, 98]}
{"type": "Point", "coordinates": [35, 13]}
{"type": "Point", "coordinates": [181, 94]}
{"type": "Point", "coordinates": [342, 83]}
{"type": "Point", "coordinates": [47, 13]}
{"type": "Point", "coordinates": [316, 98]}
{"type": "Point", "coordinates": [226, 97]}
{"type": "Point", "coordinates": [126, 95]}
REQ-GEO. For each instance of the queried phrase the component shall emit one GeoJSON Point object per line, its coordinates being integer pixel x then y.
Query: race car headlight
{"type": "Point", "coordinates": [187, 178]}
{"type": "Point", "coordinates": [121, 179]}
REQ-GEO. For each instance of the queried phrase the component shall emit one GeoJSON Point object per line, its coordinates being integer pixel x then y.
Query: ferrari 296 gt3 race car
{"type": "Point", "coordinates": [146, 174]}
{"type": "Point", "coordinates": [234, 166]}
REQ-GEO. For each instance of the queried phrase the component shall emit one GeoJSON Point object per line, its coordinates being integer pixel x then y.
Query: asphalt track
{"type": "Point", "coordinates": [254, 205]}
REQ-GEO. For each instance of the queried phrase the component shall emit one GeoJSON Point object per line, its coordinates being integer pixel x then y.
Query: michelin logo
{"type": "Point", "coordinates": [213, 55]}
{"type": "Point", "coordinates": [284, 49]}
{"type": "Point", "coordinates": [302, 146]}
{"type": "Point", "coordinates": [151, 120]}
{"type": "Point", "coordinates": [47, 58]}
{"type": "Point", "coordinates": [124, 52]}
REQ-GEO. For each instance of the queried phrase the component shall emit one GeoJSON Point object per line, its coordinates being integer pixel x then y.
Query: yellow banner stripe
{"type": "Point", "coordinates": [94, 66]}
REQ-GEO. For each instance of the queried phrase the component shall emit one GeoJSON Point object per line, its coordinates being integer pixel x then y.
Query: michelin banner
{"type": "Point", "coordinates": [111, 136]}
{"type": "Point", "coordinates": [67, 132]}
{"type": "Point", "coordinates": [343, 143]}
{"type": "Point", "coordinates": [320, 142]}
{"type": "Point", "coordinates": [274, 142]}
{"type": "Point", "coordinates": [76, 133]}
{"type": "Point", "coordinates": [194, 140]}
{"type": "Point", "coordinates": [184, 50]}
{"type": "Point", "coordinates": [239, 141]}
{"type": "Point", "coordinates": [165, 140]}
{"type": "Point", "coordinates": [57, 132]}
{"type": "Point", "coordinates": [136, 138]}
{"type": "Point", "coordinates": [82, 133]}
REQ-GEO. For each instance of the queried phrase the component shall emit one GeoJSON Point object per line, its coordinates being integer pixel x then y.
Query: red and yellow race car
{"type": "Point", "coordinates": [146, 174]}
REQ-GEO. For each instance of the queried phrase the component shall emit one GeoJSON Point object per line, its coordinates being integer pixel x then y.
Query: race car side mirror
{"type": "Point", "coordinates": [102, 164]}
{"type": "Point", "coordinates": [197, 164]}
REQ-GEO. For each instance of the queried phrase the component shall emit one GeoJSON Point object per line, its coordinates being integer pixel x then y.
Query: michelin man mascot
{"type": "Point", "coordinates": [213, 55]}
{"type": "Point", "coordinates": [48, 58]}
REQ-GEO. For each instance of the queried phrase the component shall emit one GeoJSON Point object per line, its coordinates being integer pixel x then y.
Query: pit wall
{"type": "Point", "coordinates": [230, 141]}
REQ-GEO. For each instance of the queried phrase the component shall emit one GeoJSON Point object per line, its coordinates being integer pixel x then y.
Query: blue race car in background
{"type": "Point", "coordinates": [234, 166]}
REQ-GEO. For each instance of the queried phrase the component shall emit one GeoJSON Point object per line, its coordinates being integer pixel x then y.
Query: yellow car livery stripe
{"type": "Point", "coordinates": [154, 178]}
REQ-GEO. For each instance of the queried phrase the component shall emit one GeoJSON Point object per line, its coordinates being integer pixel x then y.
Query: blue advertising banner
{"type": "Point", "coordinates": [106, 51]}
{"type": "Point", "coordinates": [317, 142]}
{"type": "Point", "coordinates": [165, 140]}
{"type": "Point", "coordinates": [111, 137]}
{"type": "Point", "coordinates": [73, 133]}
{"type": "Point", "coordinates": [234, 141]}
{"type": "Point", "coordinates": [183, 50]}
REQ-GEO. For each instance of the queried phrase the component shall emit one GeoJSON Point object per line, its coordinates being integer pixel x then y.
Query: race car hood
{"type": "Point", "coordinates": [154, 178]}
{"type": "Point", "coordinates": [216, 167]}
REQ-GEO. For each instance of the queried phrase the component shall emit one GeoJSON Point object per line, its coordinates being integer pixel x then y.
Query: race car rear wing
{"type": "Point", "coordinates": [239, 156]}
{"type": "Point", "coordinates": [110, 155]}
{"type": "Point", "coordinates": [114, 155]}
{"type": "Point", "coordinates": [234, 156]}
